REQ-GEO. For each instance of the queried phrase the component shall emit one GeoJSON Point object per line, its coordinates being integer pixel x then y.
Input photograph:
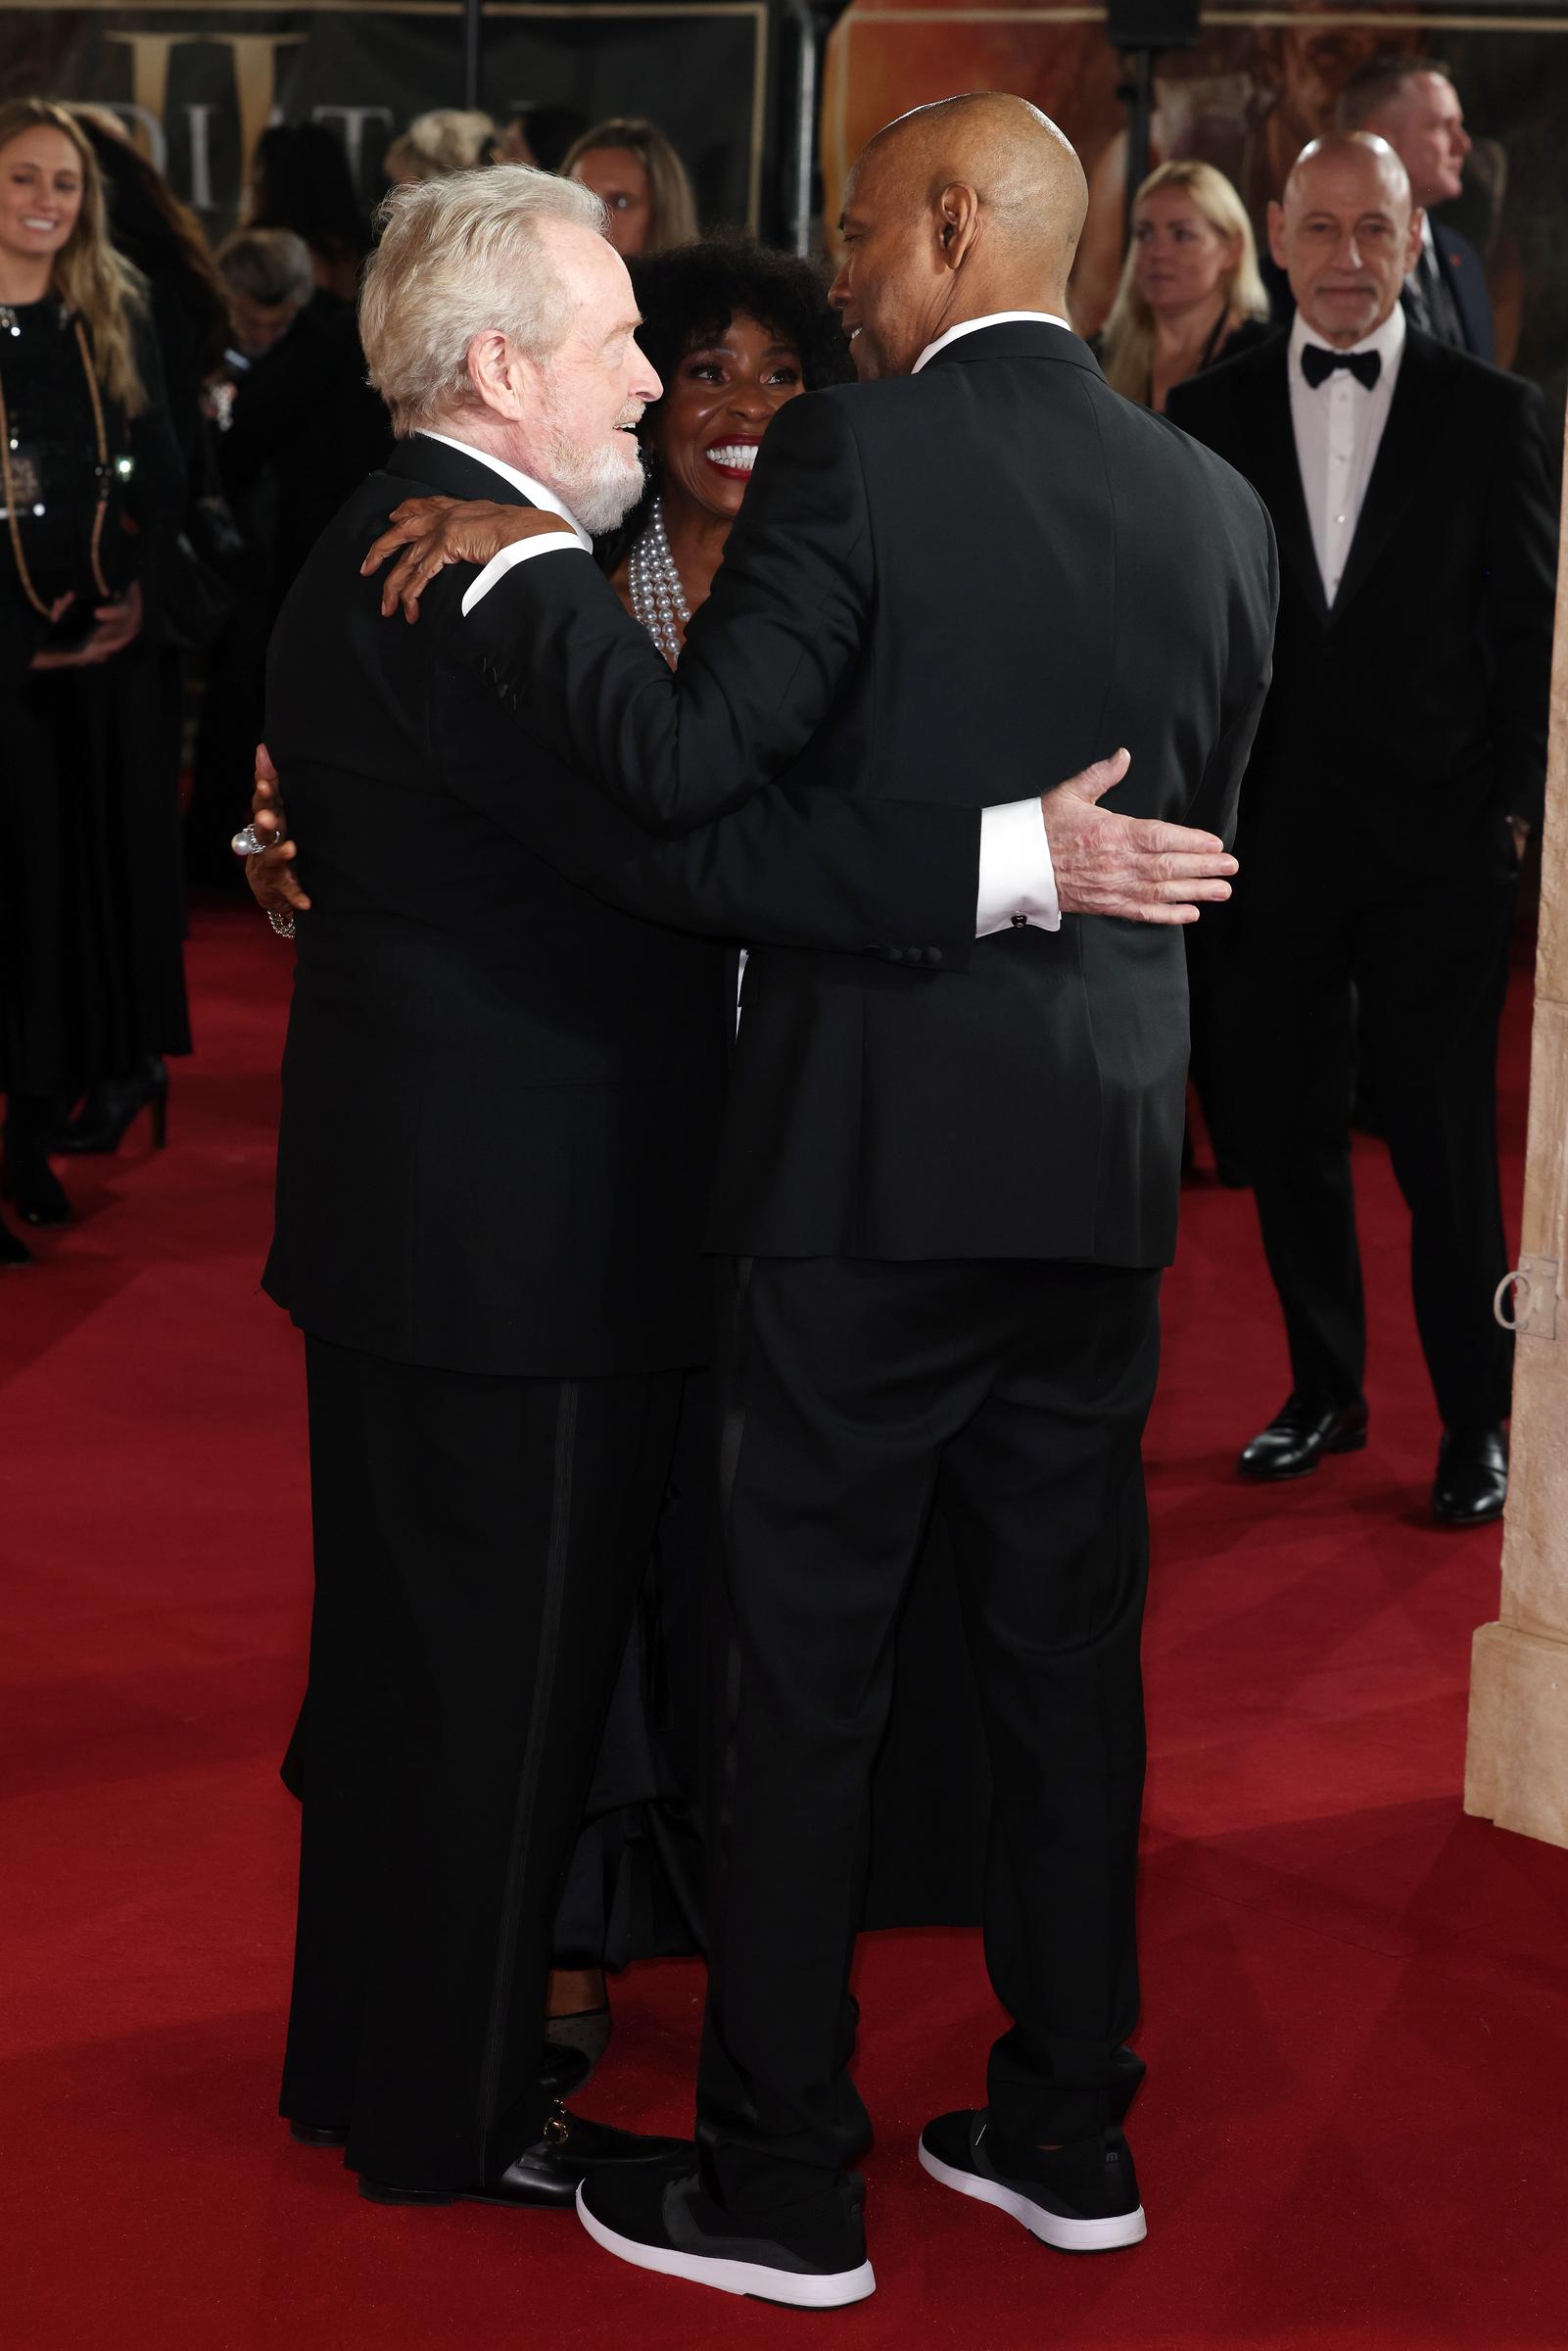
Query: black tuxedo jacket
{"type": "Point", "coordinates": [501, 1084]}
{"type": "Point", "coordinates": [955, 589]}
{"type": "Point", "coordinates": [1413, 713]}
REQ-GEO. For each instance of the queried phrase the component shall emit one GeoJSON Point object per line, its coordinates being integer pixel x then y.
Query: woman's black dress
{"type": "Point", "coordinates": [91, 970]}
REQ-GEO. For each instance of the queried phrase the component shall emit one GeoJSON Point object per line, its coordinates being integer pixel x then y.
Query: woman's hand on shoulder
{"type": "Point", "coordinates": [433, 532]}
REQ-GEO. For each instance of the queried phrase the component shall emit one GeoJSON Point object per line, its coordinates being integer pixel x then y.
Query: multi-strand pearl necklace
{"type": "Point", "coordinates": [658, 599]}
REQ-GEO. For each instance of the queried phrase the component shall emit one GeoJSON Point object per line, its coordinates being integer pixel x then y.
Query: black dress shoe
{"type": "Point", "coordinates": [1081, 2197]}
{"type": "Point", "coordinates": [1472, 1480]}
{"type": "Point", "coordinates": [1297, 1437]}
{"type": "Point", "coordinates": [569, 2150]}
{"type": "Point", "coordinates": [320, 2135]}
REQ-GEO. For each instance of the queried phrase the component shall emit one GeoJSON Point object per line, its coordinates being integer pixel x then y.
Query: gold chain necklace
{"type": "Point", "coordinates": [8, 483]}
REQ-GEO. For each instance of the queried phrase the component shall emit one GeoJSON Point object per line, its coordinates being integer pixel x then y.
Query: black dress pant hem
{"type": "Point", "coordinates": [855, 1392]}
{"type": "Point", "coordinates": [478, 1546]}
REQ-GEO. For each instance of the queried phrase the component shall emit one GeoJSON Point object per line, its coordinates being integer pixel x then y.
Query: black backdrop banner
{"type": "Point", "coordinates": [199, 80]}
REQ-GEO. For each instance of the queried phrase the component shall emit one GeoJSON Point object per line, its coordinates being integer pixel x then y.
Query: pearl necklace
{"type": "Point", "coordinates": [658, 599]}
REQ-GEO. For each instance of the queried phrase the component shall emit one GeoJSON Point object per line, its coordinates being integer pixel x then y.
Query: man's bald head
{"type": "Point", "coordinates": [1346, 234]}
{"type": "Point", "coordinates": [959, 209]}
{"type": "Point", "coordinates": [1024, 170]}
{"type": "Point", "coordinates": [1353, 158]}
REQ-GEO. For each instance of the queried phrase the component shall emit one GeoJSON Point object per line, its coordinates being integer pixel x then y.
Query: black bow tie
{"type": "Point", "coordinates": [1318, 365]}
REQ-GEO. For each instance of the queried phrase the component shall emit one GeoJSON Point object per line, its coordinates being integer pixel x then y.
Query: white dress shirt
{"type": "Point", "coordinates": [537, 496]}
{"type": "Point", "coordinates": [973, 327]}
{"type": "Point", "coordinates": [1339, 429]}
{"type": "Point", "coordinates": [1016, 880]}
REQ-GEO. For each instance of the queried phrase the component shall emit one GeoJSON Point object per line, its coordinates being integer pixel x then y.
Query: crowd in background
{"type": "Point", "coordinates": [182, 422]}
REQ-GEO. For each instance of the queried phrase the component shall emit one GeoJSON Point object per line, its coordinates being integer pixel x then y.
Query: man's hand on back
{"type": "Point", "coordinates": [1136, 867]}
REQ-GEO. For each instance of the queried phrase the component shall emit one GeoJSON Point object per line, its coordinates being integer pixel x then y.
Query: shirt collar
{"type": "Point", "coordinates": [973, 327]}
{"type": "Point", "coordinates": [538, 494]}
{"type": "Point", "coordinates": [1428, 239]}
{"type": "Point", "coordinates": [1387, 340]}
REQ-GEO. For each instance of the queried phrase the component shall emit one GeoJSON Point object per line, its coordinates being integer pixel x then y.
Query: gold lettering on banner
{"type": "Point", "coordinates": [149, 81]}
{"type": "Point", "coordinates": [254, 56]}
{"type": "Point", "coordinates": [255, 82]}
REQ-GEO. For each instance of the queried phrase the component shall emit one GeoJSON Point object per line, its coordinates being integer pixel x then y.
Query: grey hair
{"type": "Point", "coordinates": [268, 266]}
{"type": "Point", "coordinates": [461, 256]}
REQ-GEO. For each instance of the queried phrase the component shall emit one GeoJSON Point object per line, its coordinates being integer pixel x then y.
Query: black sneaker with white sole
{"type": "Point", "coordinates": [666, 2223]}
{"type": "Point", "coordinates": [1082, 2198]}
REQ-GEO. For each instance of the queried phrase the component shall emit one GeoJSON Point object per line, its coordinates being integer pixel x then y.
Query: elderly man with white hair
{"type": "Point", "coordinates": [501, 1092]}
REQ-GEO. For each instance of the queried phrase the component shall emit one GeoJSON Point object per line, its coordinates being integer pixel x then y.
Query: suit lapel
{"type": "Point", "coordinates": [1404, 462]}
{"type": "Point", "coordinates": [1277, 474]}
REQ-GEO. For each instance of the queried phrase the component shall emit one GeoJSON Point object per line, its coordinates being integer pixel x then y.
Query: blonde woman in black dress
{"type": "Point", "coordinates": [92, 486]}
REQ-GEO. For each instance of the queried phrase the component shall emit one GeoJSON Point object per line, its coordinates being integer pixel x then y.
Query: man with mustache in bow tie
{"type": "Point", "coordinates": [1397, 771]}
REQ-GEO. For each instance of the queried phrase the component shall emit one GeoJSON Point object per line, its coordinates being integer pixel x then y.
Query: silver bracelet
{"type": "Point", "coordinates": [282, 924]}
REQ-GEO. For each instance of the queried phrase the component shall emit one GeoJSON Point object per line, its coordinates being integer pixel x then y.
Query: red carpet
{"type": "Point", "coordinates": [1356, 2017]}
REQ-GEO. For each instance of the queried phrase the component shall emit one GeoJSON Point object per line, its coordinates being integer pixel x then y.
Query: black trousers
{"type": "Point", "coordinates": [855, 1392]}
{"type": "Point", "coordinates": [1427, 963]}
{"type": "Point", "coordinates": [478, 1546]}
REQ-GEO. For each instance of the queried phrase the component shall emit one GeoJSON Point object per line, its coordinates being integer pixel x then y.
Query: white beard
{"type": "Point", "coordinates": [603, 483]}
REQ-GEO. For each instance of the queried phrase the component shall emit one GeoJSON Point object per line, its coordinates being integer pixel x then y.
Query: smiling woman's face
{"type": "Point", "coordinates": [40, 193]}
{"type": "Point", "coordinates": [721, 399]}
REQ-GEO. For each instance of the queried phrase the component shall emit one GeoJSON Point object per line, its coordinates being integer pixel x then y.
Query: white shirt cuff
{"type": "Point", "coordinates": [1018, 884]}
{"type": "Point", "coordinates": [518, 553]}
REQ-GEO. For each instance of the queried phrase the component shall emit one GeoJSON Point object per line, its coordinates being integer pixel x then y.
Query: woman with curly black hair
{"type": "Point", "coordinates": [735, 331]}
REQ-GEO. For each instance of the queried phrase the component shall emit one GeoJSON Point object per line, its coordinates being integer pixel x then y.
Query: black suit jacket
{"type": "Point", "coordinates": [502, 1083]}
{"type": "Point", "coordinates": [1464, 274]}
{"type": "Point", "coordinates": [304, 430]}
{"type": "Point", "coordinates": [955, 589]}
{"type": "Point", "coordinates": [1414, 715]}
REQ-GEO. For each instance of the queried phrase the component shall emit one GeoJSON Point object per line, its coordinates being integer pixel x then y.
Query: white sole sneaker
{"type": "Point", "coordinates": [733, 2277]}
{"type": "Point", "coordinates": [1051, 2227]}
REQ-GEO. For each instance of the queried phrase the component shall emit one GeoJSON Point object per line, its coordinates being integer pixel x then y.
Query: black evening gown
{"type": "Point", "coordinates": [638, 1875]}
{"type": "Point", "coordinates": [91, 968]}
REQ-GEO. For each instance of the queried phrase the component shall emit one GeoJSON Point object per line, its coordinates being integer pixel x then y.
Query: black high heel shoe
{"type": "Point", "coordinates": [33, 1189]}
{"type": "Point", "coordinates": [27, 1179]}
{"type": "Point", "coordinates": [14, 1249]}
{"type": "Point", "coordinates": [109, 1111]}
